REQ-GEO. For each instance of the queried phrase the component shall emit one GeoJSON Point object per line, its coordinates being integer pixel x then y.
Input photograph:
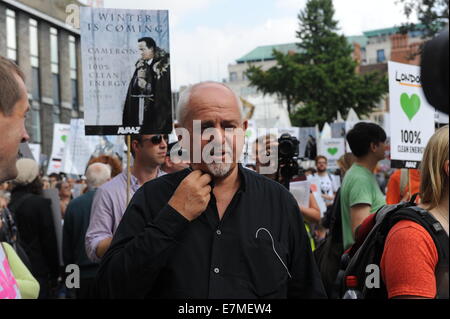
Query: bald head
{"type": "Point", "coordinates": [97, 174]}
{"type": "Point", "coordinates": [213, 96]}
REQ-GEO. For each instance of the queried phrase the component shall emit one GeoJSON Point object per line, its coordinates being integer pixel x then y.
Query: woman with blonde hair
{"type": "Point", "coordinates": [410, 260]}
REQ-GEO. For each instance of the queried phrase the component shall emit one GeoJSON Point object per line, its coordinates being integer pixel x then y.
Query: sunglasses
{"type": "Point", "coordinates": [157, 139]}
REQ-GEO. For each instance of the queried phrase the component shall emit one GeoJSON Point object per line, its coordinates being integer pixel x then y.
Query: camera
{"type": "Point", "coordinates": [288, 151]}
{"type": "Point", "coordinates": [288, 146]}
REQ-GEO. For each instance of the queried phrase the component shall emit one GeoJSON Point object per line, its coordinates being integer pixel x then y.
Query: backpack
{"type": "Point", "coordinates": [329, 252]}
{"type": "Point", "coordinates": [363, 258]}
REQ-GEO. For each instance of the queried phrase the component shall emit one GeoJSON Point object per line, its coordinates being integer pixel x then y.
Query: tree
{"type": "Point", "coordinates": [433, 16]}
{"type": "Point", "coordinates": [322, 77]}
{"type": "Point", "coordinates": [279, 80]}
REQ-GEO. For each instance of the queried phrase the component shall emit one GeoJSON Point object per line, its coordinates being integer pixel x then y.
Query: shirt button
{"type": "Point", "coordinates": [216, 270]}
{"type": "Point", "coordinates": [218, 232]}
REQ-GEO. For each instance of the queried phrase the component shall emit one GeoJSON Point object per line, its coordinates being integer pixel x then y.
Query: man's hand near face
{"type": "Point", "coordinates": [192, 195]}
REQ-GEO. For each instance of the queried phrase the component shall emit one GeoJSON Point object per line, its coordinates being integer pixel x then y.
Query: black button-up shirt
{"type": "Point", "coordinates": [259, 249]}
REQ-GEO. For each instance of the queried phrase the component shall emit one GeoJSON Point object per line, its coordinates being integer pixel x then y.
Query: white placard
{"type": "Point", "coordinates": [412, 118]}
{"type": "Point", "coordinates": [36, 151]}
{"type": "Point", "coordinates": [251, 135]}
{"type": "Point", "coordinates": [293, 131]}
{"type": "Point", "coordinates": [301, 191]}
{"type": "Point", "coordinates": [332, 149]}
{"type": "Point", "coordinates": [126, 71]}
{"type": "Point", "coordinates": [80, 148]}
{"type": "Point", "coordinates": [308, 142]}
{"type": "Point", "coordinates": [60, 137]}
{"type": "Point", "coordinates": [315, 188]}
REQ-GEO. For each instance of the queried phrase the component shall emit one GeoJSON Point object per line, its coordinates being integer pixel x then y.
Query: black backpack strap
{"type": "Point", "coordinates": [427, 221]}
{"type": "Point", "coordinates": [440, 239]}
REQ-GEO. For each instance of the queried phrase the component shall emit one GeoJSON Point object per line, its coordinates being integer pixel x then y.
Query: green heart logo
{"type": "Point", "coordinates": [333, 150]}
{"type": "Point", "coordinates": [410, 105]}
{"type": "Point", "coordinates": [64, 138]}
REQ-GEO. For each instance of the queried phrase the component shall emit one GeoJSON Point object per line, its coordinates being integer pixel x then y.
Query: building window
{"type": "Point", "coordinates": [34, 59]}
{"type": "Point", "coordinates": [56, 99]}
{"type": "Point", "coordinates": [233, 76]}
{"type": "Point", "coordinates": [54, 50]}
{"type": "Point", "coordinates": [380, 56]}
{"type": "Point", "coordinates": [34, 43]}
{"type": "Point", "coordinates": [54, 60]}
{"type": "Point", "coordinates": [35, 125]}
{"type": "Point", "coordinates": [11, 35]}
{"type": "Point", "coordinates": [35, 86]}
{"type": "Point", "coordinates": [73, 71]}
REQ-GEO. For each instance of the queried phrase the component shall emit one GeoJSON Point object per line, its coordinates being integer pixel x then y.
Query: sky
{"type": "Point", "coordinates": [208, 35]}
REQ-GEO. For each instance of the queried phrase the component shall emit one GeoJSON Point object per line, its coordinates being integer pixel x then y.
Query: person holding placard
{"type": "Point", "coordinates": [110, 200]}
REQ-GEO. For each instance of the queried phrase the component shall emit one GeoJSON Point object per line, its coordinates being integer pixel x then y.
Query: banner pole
{"type": "Point", "coordinates": [128, 167]}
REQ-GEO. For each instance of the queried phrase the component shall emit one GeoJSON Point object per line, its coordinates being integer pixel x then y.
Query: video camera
{"type": "Point", "coordinates": [288, 152]}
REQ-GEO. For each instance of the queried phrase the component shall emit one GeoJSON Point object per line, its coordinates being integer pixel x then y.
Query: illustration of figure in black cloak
{"type": "Point", "coordinates": [311, 148]}
{"type": "Point", "coordinates": [148, 101]}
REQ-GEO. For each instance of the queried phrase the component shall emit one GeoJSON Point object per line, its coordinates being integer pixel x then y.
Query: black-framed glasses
{"type": "Point", "coordinates": [157, 139]}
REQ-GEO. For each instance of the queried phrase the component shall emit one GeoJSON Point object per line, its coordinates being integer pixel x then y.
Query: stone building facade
{"type": "Point", "coordinates": [34, 34]}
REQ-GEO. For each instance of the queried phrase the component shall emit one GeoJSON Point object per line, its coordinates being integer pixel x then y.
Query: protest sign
{"type": "Point", "coordinates": [80, 148]}
{"type": "Point", "coordinates": [412, 118]}
{"type": "Point", "coordinates": [25, 151]}
{"type": "Point", "coordinates": [337, 129]}
{"type": "Point", "coordinates": [300, 191]}
{"type": "Point", "coordinates": [36, 151]}
{"type": "Point", "coordinates": [126, 71]}
{"type": "Point", "coordinates": [60, 137]}
{"type": "Point", "coordinates": [251, 134]}
{"type": "Point", "coordinates": [293, 131]}
{"type": "Point", "coordinates": [308, 142]}
{"type": "Point", "coordinates": [315, 189]}
{"type": "Point", "coordinates": [332, 149]}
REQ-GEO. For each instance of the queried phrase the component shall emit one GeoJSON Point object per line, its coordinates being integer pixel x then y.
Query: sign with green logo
{"type": "Point", "coordinates": [332, 149]}
{"type": "Point", "coordinates": [410, 104]}
{"type": "Point", "coordinates": [411, 117]}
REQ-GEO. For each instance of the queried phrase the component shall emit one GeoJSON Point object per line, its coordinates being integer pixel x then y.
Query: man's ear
{"type": "Point", "coordinates": [373, 147]}
{"type": "Point", "coordinates": [134, 146]}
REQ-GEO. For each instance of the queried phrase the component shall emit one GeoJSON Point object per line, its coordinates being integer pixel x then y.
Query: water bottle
{"type": "Point", "coordinates": [352, 288]}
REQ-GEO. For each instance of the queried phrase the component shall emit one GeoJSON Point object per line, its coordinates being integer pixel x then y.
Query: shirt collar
{"type": "Point", "coordinates": [135, 182]}
{"type": "Point", "coordinates": [243, 173]}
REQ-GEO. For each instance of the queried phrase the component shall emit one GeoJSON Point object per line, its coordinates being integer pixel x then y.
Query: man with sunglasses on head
{"type": "Point", "coordinates": [110, 200]}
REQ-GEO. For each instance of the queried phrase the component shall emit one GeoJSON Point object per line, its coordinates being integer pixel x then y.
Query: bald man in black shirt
{"type": "Point", "coordinates": [213, 230]}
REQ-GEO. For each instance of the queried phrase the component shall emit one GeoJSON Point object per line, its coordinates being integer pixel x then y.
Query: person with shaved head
{"type": "Point", "coordinates": [213, 230]}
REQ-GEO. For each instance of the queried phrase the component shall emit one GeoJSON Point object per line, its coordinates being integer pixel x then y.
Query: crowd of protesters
{"type": "Point", "coordinates": [258, 240]}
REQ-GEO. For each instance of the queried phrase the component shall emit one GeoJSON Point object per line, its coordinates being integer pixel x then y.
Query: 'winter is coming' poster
{"type": "Point", "coordinates": [126, 71]}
